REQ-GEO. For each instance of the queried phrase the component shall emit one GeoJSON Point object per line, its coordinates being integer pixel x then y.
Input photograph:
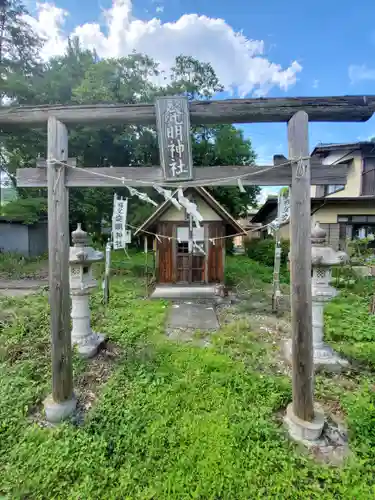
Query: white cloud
{"type": "Point", "coordinates": [266, 192]}
{"type": "Point", "coordinates": [359, 73]}
{"type": "Point", "coordinates": [160, 8]}
{"type": "Point", "coordinates": [315, 84]}
{"type": "Point", "coordinates": [48, 23]}
{"type": "Point", "coordinates": [240, 63]}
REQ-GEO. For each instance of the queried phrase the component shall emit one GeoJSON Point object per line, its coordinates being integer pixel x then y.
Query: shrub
{"type": "Point", "coordinates": [240, 269]}
{"type": "Point", "coordinates": [25, 210]}
{"type": "Point", "coordinates": [229, 246]}
{"type": "Point", "coordinates": [263, 251]}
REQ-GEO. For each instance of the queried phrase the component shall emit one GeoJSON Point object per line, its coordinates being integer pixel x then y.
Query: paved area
{"type": "Point", "coordinates": [20, 288]}
{"type": "Point", "coordinates": [192, 315]}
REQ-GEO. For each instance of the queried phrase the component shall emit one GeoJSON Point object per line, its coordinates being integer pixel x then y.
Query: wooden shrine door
{"type": "Point", "coordinates": [190, 255]}
{"type": "Point", "coordinates": [216, 253]}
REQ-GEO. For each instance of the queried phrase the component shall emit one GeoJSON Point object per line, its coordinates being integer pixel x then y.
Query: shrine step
{"type": "Point", "coordinates": [183, 292]}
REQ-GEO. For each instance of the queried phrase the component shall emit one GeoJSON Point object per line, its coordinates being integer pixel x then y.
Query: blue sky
{"type": "Point", "coordinates": [271, 47]}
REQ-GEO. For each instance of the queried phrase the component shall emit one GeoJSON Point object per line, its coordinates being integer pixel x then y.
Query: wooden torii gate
{"type": "Point", "coordinates": [300, 173]}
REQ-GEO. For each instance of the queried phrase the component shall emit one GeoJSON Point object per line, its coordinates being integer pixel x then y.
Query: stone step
{"type": "Point", "coordinates": [183, 292]}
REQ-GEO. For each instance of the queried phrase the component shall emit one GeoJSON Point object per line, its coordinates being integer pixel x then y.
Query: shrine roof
{"type": "Point", "coordinates": [208, 198]}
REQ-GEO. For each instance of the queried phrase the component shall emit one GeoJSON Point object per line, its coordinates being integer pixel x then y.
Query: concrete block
{"type": "Point", "coordinates": [57, 412]}
{"type": "Point", "coordinates": [301, 430]}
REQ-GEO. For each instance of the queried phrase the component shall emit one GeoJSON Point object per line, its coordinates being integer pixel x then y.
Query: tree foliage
{"type": "Point", "coordinates": [25, 210]}
{"type": "Point", "coordinates": [79, 76]}
{"type": "Point", "coordinates": [19, 47]}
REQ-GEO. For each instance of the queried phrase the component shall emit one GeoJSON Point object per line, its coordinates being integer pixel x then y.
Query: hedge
{"type": "Point", "coordinates": [263, 251]}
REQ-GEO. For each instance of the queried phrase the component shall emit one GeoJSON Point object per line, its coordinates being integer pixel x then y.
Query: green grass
{"type": "Point", "coordinates": [15, 266]}
{"type": "Point", "coordinates": [174, 421]}
{"type": "Point", "coordinates": [349, 326]}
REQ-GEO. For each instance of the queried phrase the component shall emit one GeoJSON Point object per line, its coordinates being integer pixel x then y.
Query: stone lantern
{"type": "Point", "coordinates": [81, 281]}
{"type": "Point", "coordinates": [323, 258]}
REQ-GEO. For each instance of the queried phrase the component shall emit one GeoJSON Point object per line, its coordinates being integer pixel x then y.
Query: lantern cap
{"type": "Point", "coordinates": [79, 236]}
{"type": "Point", "coordinates": [318, 235]}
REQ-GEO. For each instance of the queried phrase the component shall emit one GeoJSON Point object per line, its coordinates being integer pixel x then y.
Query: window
{"type": "Point", "coordinates": [198, 233]}
{"type": "Point", "coordinates": [183, 240]}
{"type": "Point", "coordinates": [198, 248]}
{"type": "Point", "coordinates": [368, 177]}
{"type": "Point", "coordinates": [322, 191]}
{"type": "Point", "coordinates": [183, 233]}
{"type": "Point", "coordinates": [356, 219]}
{"type": "Point", "coordinates": [359, 218]}
{"type": "Point", "coordinates": [198, 238]}
{"type": "Point", "coordinates": [333, 188]}
{"type": "Point", "coordinates": [362, 232]}
{"type": "Point", "coordinates": [183, 247]}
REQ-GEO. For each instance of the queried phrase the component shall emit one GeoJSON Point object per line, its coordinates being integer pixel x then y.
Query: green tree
{"type": "Point", "coordinates": [19, 50]}
{"type": "Point", "coordinates": [25, 210]}
{"type": "Point", "coordinates": [226, 145]}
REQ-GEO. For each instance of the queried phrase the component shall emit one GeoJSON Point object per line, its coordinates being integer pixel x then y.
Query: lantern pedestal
{"type": "Point", "coordinates": [325, 357]}
{"type": "Point", "coordinates": [89, 346]}
{"type": "Point", "coordinates": [86, 341]}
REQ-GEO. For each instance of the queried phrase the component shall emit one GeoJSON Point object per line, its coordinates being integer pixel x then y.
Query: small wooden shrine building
{"type": "Point", "coordinates": [189, 257]}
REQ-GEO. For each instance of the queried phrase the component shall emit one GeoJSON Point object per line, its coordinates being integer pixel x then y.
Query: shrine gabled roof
{"type": "Point", "coordinates": [208, 198]}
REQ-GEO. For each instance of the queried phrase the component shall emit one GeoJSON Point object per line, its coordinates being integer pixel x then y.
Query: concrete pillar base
{"type": "Point", "coordinates": [325, 358]}
{"type": "Point", "coordinates": [302, 431]}
{"type": "Point", "coordinates": [88, 346]}
{"type": "Point", "coordinates": [57, 412]}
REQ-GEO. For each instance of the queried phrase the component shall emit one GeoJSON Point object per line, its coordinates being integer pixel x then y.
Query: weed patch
{"type": "Point", "coordinates": [170, 420]}
{"type": "Point", "coordinates": [14, 266]}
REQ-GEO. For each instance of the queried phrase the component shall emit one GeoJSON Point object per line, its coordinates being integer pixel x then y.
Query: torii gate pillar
{"type": "Point", "coordinates": [61, 403]}
{"type": "Point", "coordinates": [304, 420]}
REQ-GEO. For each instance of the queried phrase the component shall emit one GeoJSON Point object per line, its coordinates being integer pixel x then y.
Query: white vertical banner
{"type": "Point", "coordinates": [107, 272]}
{"type": "Point", "coordinates": [120, 236]}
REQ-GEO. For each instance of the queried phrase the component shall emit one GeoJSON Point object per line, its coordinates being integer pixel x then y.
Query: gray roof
{"type": "Point", "coordinates": [330, 146]}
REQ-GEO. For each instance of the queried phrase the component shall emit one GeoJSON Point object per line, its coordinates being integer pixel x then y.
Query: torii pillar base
{"type": "Point", "coordinates": [58, 411]}
{"type": "Point", "coordinates": [302, 431]}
